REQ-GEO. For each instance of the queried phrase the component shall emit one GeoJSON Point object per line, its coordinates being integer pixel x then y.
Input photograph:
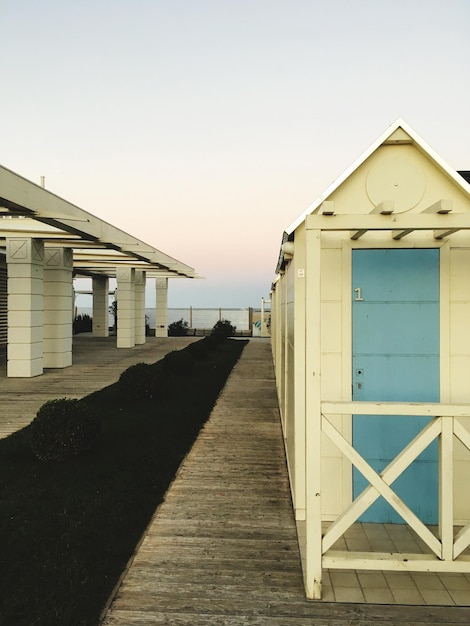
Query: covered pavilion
{"type": "Point", "coordinates": [46, 241]}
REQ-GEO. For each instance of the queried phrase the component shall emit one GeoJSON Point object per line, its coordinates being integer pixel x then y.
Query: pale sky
{"type": "Point", "coordinates": [205, 127]}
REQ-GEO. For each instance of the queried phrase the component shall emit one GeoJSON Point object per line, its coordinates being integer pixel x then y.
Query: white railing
{"type": "Point", "coordinates": [446, 550]}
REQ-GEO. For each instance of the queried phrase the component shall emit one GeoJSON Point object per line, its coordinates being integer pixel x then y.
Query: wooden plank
{"type": "Point", "coordinates": [462, 540]}
{"type": "Point", "coordinates": [446, 488]}
{"type": "Point", "coordinates": [396, 408]}
{"type": "Point", "coordinates": [338, 615]}
{"type": "Point", "coordinates": [313, 473]}
{"type": "Point", "coordinates": [443, 207]}
{"type": "Point", "coordinates": [395, 221]}
{"type": "Point", "coordinates": [462, 434]}
{"type": "Point", "coordinates": [222, 548]}
{"type": "Point", "coordinates": [406, 562]}
{"type": "Point", "coordinates": [444, 232]}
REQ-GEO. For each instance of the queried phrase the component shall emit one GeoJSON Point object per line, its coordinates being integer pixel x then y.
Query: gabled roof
{"type": "Point", "coordinates": [417, 141]}
{"type": "Point", "coordinates": [28, 210]}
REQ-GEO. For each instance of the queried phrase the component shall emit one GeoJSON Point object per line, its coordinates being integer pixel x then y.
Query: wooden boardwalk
{"type": "Point", "coordinates": [96, 364]}
{"type": "Point", "coordinates": [222, 548]}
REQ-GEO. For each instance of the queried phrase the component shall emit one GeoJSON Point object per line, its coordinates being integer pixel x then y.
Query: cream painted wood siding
{"type": "Point", "coordinates": [3, 311]}
{"type": "Point", "coordinates": [458, 329]}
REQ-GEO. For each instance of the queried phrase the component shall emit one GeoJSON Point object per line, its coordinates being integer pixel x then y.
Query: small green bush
{"type": "Point", "coordinates": [178, 329]}
{"type": "Point", "coordinates": [138, 381]}
{"type": "Point", "coordinates": [179, 362]}
{"type": "Point", "coordinates": [63, 428]}
{"type": "Point", "coordinates": [223, 329]}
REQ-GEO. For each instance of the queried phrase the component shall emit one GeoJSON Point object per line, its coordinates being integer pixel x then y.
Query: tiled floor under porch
{"type": "Point", "coordinates": [390, 587]}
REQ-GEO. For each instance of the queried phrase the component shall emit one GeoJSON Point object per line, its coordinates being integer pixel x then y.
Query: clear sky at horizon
{"type": "Point", "coordinates": [205, 127]}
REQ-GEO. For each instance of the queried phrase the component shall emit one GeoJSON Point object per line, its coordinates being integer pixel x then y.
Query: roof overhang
{"type": "Point", "coordinates": [437, 218]}
{"type": "Point", "coordinates": [28, 210]}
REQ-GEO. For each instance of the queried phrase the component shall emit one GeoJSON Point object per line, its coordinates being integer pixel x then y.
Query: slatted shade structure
{"type": "Point", "coordinates": [28, 210]}
{"type": "Point", "coordinates": [45, 241]}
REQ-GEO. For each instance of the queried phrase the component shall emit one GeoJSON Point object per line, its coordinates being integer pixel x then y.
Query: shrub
{"type": "Point", "coordinates": [199, 349]}
{"type": "Point", "coordinates": [63, 428]}
{"type": "Point", "coordinates": [113, 310]}
{"type": "Point", "coordinates": [178, 329]}
{"type": "Point", "coordinates": [212, 341]}
{"type": "Point", "coordinates": [223, 329]}
{"type": "Point", "coordinates": [179, 362]}
{"type": "Point", "coordinates": [82, 324]}
{"type": "Point", "coordinates": [138, 381]}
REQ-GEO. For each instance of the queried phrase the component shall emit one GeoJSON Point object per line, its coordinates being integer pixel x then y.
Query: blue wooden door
{"type": "Point", "coordinates": [395, 330]}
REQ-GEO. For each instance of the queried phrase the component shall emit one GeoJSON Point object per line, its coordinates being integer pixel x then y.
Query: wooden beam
{"type": "Point", "coordinates": [358, 234]}
{"type": "Point", "coordinates": [446, 488]}
{"type": "Point", "coordinates": [399, 234]}
{"type": "Point", "coordinates": [462, 540]}
{"type": "Point", "coordinates": [327, 208]}
{"type": "Point", "coordinates": [441, 206]}
{"type": "Point", "coordinates": [313, 437]}
{"type": "Point", "coordinates": [384, 208]}
{"type": "Point", "coordinates": [433, 409]}
{"type": "Point", "coordinates": [440, 234]}
{"type": "Point", "coordinates": [462, 434]}
{"type": "Point", "coordinates": [19, 194]}
{"type": "Point", "coordinates": [406, 562]}
{"type": "Point", "coordinates": [395, 221]}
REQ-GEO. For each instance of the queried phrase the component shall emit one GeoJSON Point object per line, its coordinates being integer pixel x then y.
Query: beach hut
{"type": "Point", "coordinates": [371, 345]}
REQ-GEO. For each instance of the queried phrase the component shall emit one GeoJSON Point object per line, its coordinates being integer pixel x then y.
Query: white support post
{"type": "Point", "coordinates": [25, 261]}
{"type": "Point", "coordinates": [300, 347]}
{"type": "Point", "coordinates": [446, 488]}
{"type": "Point", "coordinates": [278, 345]}
{"type": "Point", "coordinates": [285, 352]}
{"type": "Point", "coordinates": [313, 495]}
{"type": "Point", "coordinates": [100, 287]}
{"type": "Point", "coordinates": [263, 329]}
{"type": "Point", "coordinates": [125, 307]}
{"type": "Point", "coordinates": [140, 279]}
{"type": "Point", "coordinates": [58, 307]}
{"type": "Point", "coordinates": [161, 314]}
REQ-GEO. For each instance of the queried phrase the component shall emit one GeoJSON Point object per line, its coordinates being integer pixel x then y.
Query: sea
{"type": "Point", "coordinates": [196, 318]}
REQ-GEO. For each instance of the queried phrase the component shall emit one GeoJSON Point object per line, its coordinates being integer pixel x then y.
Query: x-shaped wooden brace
{"type": "Point", "coordinates": [380, 484]}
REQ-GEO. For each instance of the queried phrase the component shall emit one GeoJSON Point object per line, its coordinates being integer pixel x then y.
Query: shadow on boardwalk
{"type": "Point", "coordinates": [222, 549]}
{"type": "Point", "coordinates": [97, 363]}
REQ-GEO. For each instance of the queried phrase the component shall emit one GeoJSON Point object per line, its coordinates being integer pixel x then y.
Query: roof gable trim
{"type": "Point", "coordinates": [397, 133]}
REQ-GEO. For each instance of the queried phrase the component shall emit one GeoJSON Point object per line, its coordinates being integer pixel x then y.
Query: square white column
{"type": "Point", "coordinates": [125, 307]}
{"type": "Point", "coordinates": [140, 280]}
{"type": "Point", "coordinates": [161, 313]}
{"type": "Point", "coordinates": [58, 307]}
{"type": "Point", "coordinates": [100, 288]}
{"type": "Point", "coordinates": [25, 261]}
